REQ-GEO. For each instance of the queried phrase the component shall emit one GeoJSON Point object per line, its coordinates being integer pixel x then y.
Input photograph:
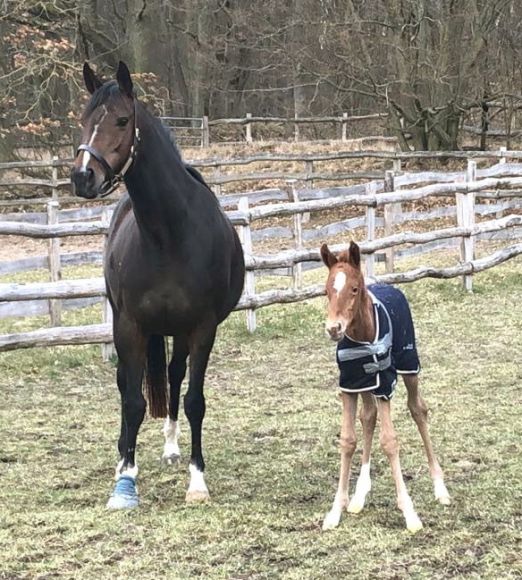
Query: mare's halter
{"type": "Point", "coordinates": [113, 179]}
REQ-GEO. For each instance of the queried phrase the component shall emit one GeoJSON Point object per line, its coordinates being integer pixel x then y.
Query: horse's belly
{"type": "Point", "coordinates": [163, 313]}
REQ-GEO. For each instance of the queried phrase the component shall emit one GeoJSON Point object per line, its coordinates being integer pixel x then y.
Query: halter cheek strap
{"type": "Point", "coordinates": [113, 179]}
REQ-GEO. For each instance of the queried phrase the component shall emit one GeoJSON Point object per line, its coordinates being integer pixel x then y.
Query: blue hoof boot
{"type": "Point", "coordinates": [125, 495]}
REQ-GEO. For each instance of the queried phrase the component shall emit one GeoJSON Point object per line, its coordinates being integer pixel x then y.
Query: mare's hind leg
{"type": "Point", "coordinates": [131, 353]}
{"type": "Point", "coordinates": [419, 412]}
{"type": "Point", "coordinates": [368, 418]}
{"type": "Point", "coordinates": [200, 343]}
{"type": "Point", "coordinates": [177, 370]}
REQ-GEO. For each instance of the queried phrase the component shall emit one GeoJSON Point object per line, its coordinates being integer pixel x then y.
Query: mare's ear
{"type": "Point", "coordinates": [124, 79]}
{"type": "Point", "coordinates": [92, 82]}
{"type": "Point", "coordinates": [328, 258]}
{"type": "Point", "coordinates": [354, 255]}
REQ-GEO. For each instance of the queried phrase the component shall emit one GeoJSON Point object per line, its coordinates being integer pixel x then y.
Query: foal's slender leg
{"type": "Point", "coordinates": [419, 412]}
{"type": "Point", "coordinates": [177, 370]}
{"type": "Point", "coordinates": [348, 443]}
{"type": "Point", "coordinates": [390, 446]}
{"type": "Point", "coordinates": [368, 418]}
{"type": "Point", "coordinates": [201, 343]}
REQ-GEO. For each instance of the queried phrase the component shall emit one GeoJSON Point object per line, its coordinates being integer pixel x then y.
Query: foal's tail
{"type": "Point", "coordinates": [156, 376]}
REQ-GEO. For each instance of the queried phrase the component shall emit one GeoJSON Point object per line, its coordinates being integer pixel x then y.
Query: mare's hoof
{"type": "Point", "coordinates": [197, 496]}
{"type": "Point", "coordinates": [172, 459]}
{"type": "Point", "coordinates": [125, 495]}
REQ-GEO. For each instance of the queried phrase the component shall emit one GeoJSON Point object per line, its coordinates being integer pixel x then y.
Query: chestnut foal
{"type": "Point", "coordinates": [376, 340]}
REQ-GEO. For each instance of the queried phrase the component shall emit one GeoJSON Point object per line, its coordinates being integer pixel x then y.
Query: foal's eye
{"type": "Point", "coordinates": [122, 121]}
{"type": "Point", "coordinates": [355, 290]}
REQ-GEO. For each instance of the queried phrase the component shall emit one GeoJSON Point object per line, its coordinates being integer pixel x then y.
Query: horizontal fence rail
{"type": "Point", "coordinates": [488, 184]}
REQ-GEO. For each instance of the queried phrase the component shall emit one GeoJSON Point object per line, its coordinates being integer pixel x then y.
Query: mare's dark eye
{"type": "Point", "coordinates": [355, 290]}
{"type": "Point", "coordinates": [122, 121]}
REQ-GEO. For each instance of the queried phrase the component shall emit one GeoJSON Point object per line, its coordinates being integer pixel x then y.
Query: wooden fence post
{"type": "Point", "coordinates": [248, 129]}
{"type": "Point", "coordinates": [344, 127]}
{"type": "Point", "coordinates": [107, 348]}
{"type": "Point", "coordinates": [217, 175]}
{"type": "Point", "coordinates": [309, 170]}
{"type": "Point", "coordinates": [55, 270]}
{"type": "Point", "coordinates": [391, 212]}
{"type": "Point", "coordinates": [397, 166]}
{"type": "Point", "coordinates": [297, 269]}
{"type": "Point", "coordinates": [245, 236]}
{"type": "Point", "coordinates": [370, 233]}
{"type": "Point", "coordinates": [296, 129]}
{"type": "Point", "coordinates": [205, 132]}
{"type": "Point", "coordinates": [503, 158]}
{"type": "Point", "coordinates": [466, 219]}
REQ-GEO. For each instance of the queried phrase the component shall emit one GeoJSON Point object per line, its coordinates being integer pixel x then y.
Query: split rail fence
{"type": "Point", "coordinates": [498, 189]}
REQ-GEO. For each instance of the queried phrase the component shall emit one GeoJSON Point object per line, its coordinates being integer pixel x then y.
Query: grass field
{"type": "Point", "coordinates": [270, 439]}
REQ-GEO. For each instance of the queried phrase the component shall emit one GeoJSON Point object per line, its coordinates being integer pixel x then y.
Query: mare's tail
{"type": "Point", "coordinates": [156, 376]}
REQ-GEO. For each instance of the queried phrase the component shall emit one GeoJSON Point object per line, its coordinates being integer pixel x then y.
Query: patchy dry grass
{"type": "Point", "coordinates": [270, 440]}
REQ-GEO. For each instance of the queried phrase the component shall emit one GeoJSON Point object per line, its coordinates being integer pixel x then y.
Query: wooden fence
{"type": "Point", "coordinates": [499, 182]}
{"type": "Point", "coordinates": [197, 130]}
{"type": "Point", "coordinates": [217, 179]}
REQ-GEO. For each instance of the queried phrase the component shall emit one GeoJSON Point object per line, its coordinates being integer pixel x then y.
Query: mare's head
{"type": "Point", "coordinates": [344, 288]}
{"type": "Point", "coordinates": [109, 134]}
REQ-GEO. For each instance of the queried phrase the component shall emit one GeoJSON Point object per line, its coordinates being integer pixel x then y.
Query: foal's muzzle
{"type": "Point", "coordinates": [334, 330]}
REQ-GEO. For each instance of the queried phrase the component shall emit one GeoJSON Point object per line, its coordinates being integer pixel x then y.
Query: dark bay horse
{"type": "Point", "coordinates": [173, 267]}
{"type": "Point", "coordinates": [375, 338]}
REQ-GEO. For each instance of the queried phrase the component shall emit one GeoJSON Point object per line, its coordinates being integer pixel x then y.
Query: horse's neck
{"type": "Point", "coordinates": [362, 327]}
{"type": "Point", "coordinates": [158, 184]}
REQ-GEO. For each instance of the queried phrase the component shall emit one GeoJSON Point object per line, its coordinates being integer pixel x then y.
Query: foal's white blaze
{"type": "Point", "coordinates": [86, 155]}
{"type": "Point", "coordinates": [339, 281]}
{"type": "Point", "coordinates": [128, 471]}
{"type": "Point", "coordinates": [171, 431]}
{"type": "Point", "coordinates": [362, 488]}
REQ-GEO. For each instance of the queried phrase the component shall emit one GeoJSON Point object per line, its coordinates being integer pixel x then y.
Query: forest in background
{"type": "Point", "coordinates": [426, 63]}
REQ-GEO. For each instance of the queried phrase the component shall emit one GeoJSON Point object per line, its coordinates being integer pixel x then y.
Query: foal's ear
{"type": "Point", "coordinates": [328, 258]}
{"type": "Point", "coordinates": [92, 82]}
{"type": "Point", "coordinates": [124, 79]}
{"type": "Point", "coordinates": [354, 255]}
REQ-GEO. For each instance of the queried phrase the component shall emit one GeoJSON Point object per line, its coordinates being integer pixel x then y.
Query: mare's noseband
{"type": "Point", "coordinates": [113, 179]}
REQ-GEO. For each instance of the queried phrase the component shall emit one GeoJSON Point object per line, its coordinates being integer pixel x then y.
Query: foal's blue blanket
{"type": "Point", "coordinates": [374, 366]}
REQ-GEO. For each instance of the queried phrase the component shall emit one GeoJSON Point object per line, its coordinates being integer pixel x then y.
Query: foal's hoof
{"type": "Point", "coordinates": [125, 495]}
{"type": "Point", "coordinates": [413, 524]}
{"type": "Point", "coordinates": [441, 492]}
{"type": "Point", "coordinates": [331, 520]}
{"type": "Point", "coordinates": [197, 496]}
{"type": "Point", "coordinates": [172, 459]}
{"type": "Point", "coordinates": [356, 505]}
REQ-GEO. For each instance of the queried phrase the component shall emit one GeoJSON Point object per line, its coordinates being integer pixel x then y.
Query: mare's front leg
{"type": "Point", "coordinates": [200, 343]}
{"type": "Point", "coordinates": [390, 446]}
{"type": "Point", "coordinates": [131, 353]}
{"type": "Point", "coordinates": [368, 418]}
{"type": "Point", "coordinates": [177, 371]}
{"type": "Point", "coordinates": [348, 443]}
{"type": "Point", "coordinates": [419, 412]}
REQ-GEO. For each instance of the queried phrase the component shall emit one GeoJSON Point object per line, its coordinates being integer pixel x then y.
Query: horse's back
{"type": "Point", "coordinates": [404, 344]}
